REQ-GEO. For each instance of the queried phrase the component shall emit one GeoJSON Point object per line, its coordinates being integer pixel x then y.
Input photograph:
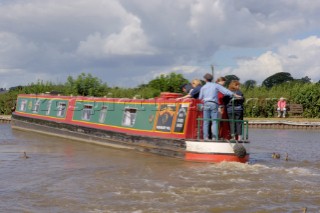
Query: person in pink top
{"type": "Point", "coordinates": [282, 107]}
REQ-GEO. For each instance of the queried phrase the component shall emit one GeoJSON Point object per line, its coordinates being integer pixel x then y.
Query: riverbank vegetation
{"type": "Point", "coordinates": [260, 100]}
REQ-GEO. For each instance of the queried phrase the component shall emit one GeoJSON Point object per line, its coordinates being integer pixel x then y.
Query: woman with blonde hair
{"type": "Point", "coordinates": [235, 110]}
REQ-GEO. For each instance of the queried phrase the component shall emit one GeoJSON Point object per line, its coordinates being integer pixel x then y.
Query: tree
{"type": "Point", "coordinates": [16, 88]}
{"type": "Point", "coordinates": [86, 85]}
{"type": "Point", "coordinates": [305, 79]}
{"type": "Point", "coordinates": [249, 84]}
{"type": "Point", "coordinates": [276, 79]}
{"type": "Point", "coordinates": [168, 83]}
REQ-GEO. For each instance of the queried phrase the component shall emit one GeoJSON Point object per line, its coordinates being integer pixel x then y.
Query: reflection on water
{"type": "Point", "coordinates": [69, 176]}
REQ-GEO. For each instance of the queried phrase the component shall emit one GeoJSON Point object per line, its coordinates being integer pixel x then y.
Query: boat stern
{"type": "Point", "coordinates": [217, 151]}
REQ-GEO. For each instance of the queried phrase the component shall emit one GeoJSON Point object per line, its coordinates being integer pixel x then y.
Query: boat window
{"type": "Point", "coordinates": [129, 116]}
{"type": "Point", "coordinates": [61, 109]}
{"type": "Point", "coordinates": [48, 107]}
{"type": "Point", "coordinates": [23, 105]}
{"type": "Point", "coordinates": [86, 112]}
{"type": "Point", "coordinates": [103, 114]}
{"type": "Point", "coordinates": [36, 106]}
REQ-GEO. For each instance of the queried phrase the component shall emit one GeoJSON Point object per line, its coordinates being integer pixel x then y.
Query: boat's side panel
{"type": "Point", "coordinates": [43, 107]}
{"type": "Point", "coordinates": [146, 118]}
{"type": "Point", "coordinates": [157, 117]}
{"type": "Point", "coordinates": [132, 115]}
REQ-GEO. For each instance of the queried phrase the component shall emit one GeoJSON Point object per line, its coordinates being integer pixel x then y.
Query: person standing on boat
{"type": "Point", "coordinates": [235, 110]}
{"type": "Point", "coordinates": [209, 96]}
{"type": "Point", "coordinates": [282, 107]}
{"type": "Point", "coordinates": [224, 126]}
{"type": "Point", "coordinates": [195, 91]}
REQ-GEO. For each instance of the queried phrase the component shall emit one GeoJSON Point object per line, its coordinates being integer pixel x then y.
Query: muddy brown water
{"type": "Point", "coordinates": [67, 176]}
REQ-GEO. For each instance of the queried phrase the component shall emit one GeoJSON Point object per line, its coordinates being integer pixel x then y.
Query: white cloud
{"type": "Point", "coordinates": [138, 39]}
{"type": "Point", "coordinates": [228, 22]}
{"type": "Point", "coordinates": [12, 46]}
{"type": "Point", "coordinates": [301, 57]}
{"type": "Point", "coordinates": [131, 40]}
{"type": "Point", "coordinates": [298, 57]}
{"type": "Point", "coordinates": [258, 68]}
{"type": "Point", "coordinates": [185, 69]}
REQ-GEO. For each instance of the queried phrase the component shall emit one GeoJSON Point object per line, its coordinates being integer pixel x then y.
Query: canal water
{"type": "Point", "coordinates": [67, 176]}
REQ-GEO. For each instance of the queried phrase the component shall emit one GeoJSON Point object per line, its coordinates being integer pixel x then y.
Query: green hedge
{"type": "Point", "coordinates": [260, 101]}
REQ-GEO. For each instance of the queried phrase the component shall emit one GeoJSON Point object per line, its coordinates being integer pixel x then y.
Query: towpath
{"type": "Point", "coordinates": [299, 123]}
{"type": "Point", "coordinates": [5, 118]}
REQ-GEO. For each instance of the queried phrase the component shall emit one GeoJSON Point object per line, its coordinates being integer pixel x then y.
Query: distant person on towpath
{"type": "Point", "coordinates": [209, 96]}
{"type": "Point", "coordinates": [282, 107]}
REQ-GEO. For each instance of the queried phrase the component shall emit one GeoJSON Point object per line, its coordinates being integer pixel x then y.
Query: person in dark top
{"type": "Point", "coordinates": [235, 110]}
{"type": "Point", "coordinates": [194, 93]}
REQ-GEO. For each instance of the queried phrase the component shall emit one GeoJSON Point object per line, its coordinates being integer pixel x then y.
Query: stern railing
{"type": "Point", "coordinates": [244, 129]}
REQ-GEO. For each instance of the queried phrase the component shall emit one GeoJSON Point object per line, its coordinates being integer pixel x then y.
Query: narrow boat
{"type": "Point", "coordinates": [165, 125]}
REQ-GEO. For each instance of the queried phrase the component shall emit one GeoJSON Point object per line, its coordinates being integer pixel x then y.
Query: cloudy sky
{"type": "Point", "coordinates": [129, 42]}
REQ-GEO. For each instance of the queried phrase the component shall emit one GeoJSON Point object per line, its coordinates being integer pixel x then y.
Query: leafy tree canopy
{"type": "Point", "coordinates": [249, 84]}
{"type": "Point", "coordinates": [85, 85]}
{"type": "Point", "coordinates": [168, 83]}
{"type": "Point", "coordinates": [276, 79]}
{"type": "Point", "coordinates": [305, 79]}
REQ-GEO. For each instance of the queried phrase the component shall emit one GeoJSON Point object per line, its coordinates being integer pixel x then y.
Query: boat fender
{"type": "Point", "coordinates": [239, 150]}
